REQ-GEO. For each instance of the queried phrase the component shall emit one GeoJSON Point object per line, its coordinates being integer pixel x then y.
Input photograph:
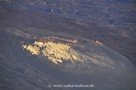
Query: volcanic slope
{"type": "Point", "coordinates": [96, 64]}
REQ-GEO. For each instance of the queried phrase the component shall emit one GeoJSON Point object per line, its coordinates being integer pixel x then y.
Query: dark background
{"type": "Point", "coordinates": [112, 22]}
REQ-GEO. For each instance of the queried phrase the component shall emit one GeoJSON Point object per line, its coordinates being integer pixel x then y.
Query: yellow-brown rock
{"type": "Point", "coordinates": [56, 52]}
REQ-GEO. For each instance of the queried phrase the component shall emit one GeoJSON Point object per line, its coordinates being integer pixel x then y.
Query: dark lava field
{"type": "Point", "coordinates": [97, 38]}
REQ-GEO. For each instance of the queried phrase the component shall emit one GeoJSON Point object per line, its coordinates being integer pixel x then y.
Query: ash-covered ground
{"type": "Point", "coordinates": [104, 32]}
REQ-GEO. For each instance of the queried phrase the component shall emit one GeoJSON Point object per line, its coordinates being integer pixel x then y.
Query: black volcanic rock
{"type": "Point", "coordinates": [21, 21]}
{"type": "Point", "coordinates": [105, 20]}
